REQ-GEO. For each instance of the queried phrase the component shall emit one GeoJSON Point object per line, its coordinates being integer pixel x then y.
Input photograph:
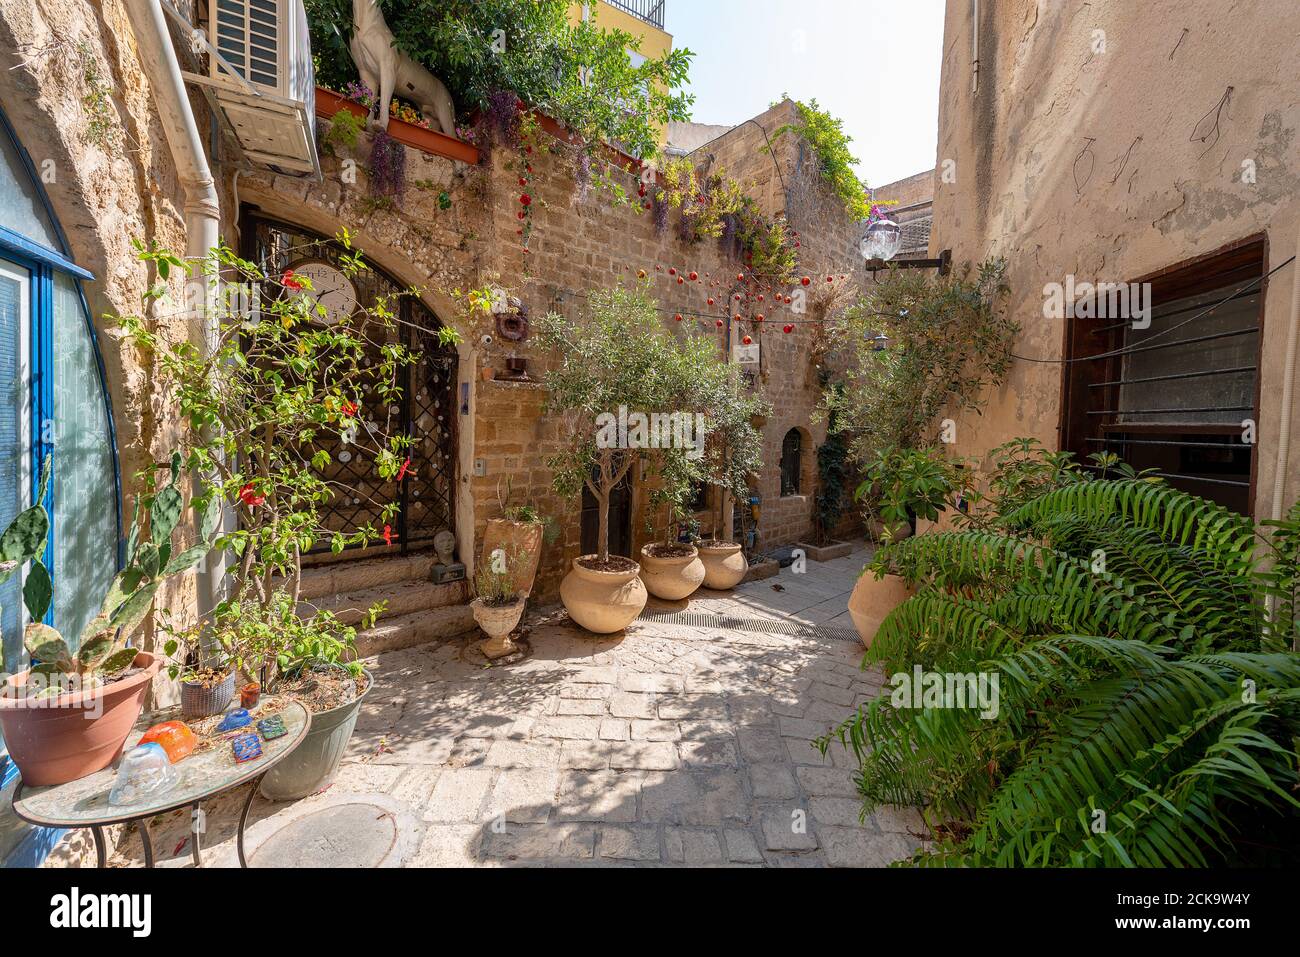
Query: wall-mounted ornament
{"type": "Point", "coordinates": [512, 325]}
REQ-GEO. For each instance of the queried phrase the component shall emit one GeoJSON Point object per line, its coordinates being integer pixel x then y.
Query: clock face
{"type": "Point", "coordinates": [329, 287]}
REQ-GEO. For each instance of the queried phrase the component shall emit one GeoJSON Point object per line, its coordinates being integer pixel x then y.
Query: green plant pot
{"type": "Point", "coordinates": [313, 764]}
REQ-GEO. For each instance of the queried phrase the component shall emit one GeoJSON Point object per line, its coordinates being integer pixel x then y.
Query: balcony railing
{"type": "Point", "coordinates": [651, 11]}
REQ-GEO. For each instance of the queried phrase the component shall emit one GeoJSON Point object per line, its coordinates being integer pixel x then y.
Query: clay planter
{"type": "Point", "coordinates": [671, 578]}
{"type": "Point", "coordinates": [328, 103]}
{"type": "Point", "coordinates": [724, 566]}
{"type": "Point", "coordinates": [497, 623]}
{"type": "Point", "coordinates": [873, 600]}
{"type": "Point", "coordinates": [522, 542]}
{"type": "Point", "coordinates": [201, 701]}
{"type": "Point", "coordinates": [54, 741]}
{"type": "Point", "coordinates": [603, 602]}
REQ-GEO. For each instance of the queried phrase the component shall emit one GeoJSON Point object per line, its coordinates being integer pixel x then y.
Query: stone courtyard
{"type": "Point", "coordinates": [672, 744]}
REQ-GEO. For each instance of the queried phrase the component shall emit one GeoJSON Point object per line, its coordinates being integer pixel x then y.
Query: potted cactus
{"type": "Point", "coordinates": [69, 714]}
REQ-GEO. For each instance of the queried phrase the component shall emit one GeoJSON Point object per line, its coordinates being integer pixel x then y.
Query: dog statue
{"type": "Point", "coordinates": [386, 70]}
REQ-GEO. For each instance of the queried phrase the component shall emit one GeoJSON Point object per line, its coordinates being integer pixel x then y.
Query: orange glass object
{"type": "Point", "coordinates": [175, 737]}
{"type": "Point", "coordinates": [249, 696]}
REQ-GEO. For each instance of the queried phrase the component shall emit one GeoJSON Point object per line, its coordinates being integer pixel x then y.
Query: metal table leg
{"type": "Point", "coordinates": [196, 833]}
{"type": "Point", "coordinates": [101, 851]}
{"type": "Point", "coordinates": [146, 841]}
{"type": "Point", "coordinates": [243, 819]}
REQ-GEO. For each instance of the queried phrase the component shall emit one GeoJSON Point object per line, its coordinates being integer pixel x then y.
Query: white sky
{"type": "Point", "coordinates": [873, 63]}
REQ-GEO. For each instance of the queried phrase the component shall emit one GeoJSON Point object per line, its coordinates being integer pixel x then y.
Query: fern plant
{"type": "Point", "coordinates": [1148, 706]}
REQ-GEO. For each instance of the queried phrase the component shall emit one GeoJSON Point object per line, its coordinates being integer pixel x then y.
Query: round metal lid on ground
{"type": "Point", "coordinates": [351, 830]}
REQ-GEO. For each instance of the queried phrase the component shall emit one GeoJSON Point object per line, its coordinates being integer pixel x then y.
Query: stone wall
{"type": "Point", "coordinates": [579, 244]}
{"type": "Point", "coordinates": [1096, 146]}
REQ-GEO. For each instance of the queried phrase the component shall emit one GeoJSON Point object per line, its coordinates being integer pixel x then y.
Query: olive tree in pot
{"type": "Point", "coordinates": [618, 375]}
{"type": "Point", "coordinates": [670, 568]}
{"type": "Point", "coordinates": [733, 456]}
{"type": "Point", "coordinates": [69, 714]}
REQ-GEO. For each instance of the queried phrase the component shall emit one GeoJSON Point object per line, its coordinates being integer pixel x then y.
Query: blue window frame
{"type": "Point", "coordinates": [53, 401]}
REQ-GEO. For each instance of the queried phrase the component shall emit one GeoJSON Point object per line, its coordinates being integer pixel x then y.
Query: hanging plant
{"type": "Point", "coordinates": [387, 167]}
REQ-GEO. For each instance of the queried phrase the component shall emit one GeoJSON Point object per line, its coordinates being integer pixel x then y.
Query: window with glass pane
{"type": "Point", "coordinates": [14, 409]}
{"type": "Point", "coordinates": [85, 517]}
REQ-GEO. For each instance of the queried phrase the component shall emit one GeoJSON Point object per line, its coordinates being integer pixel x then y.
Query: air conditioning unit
{"type": "Point", "coordinates": [261, 80]}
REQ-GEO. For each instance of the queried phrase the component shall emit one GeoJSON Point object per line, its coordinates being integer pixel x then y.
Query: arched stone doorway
{"type": "Point", "coordinates": [426, 410]}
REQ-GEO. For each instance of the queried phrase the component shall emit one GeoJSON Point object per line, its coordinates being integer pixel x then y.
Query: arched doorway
{"type": "Point", "coordinates": [426, 410]}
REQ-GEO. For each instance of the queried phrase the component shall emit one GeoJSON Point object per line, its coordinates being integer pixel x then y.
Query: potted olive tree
{"type": "Point", "coordinates": [670, 568]}
{"type": "Point", "coordinates": [618, 381]}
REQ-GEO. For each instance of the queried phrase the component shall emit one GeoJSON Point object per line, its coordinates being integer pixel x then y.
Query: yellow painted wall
{"type": "Point", "coordinates": [654, 42]}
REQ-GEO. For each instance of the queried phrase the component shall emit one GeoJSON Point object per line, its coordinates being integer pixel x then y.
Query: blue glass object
{"type": "Point", "coordinates": [246, 747]}
{"type": "Point", "coordinates": [272, 727]}
{"type": "Point", "coordinates": [237, 719]}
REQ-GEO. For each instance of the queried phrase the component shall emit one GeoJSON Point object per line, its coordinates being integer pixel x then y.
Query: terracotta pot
{"type": "Point", "coordinates": [497, 623]}
{"type": "Point", "coordinates": [55, 741]}
{"type": "Point", "coordinates": [873, 600]}
{"type": "Point", "coordinates": [724, 566]}
{"type": "Point", "coordinates": [672, 579]}
{"type": "Point", "coordinates": [516, 539]}
{"type": "Point", "coordinates": [603, 602]}
{"type": "Point", "coordinates": [877, 529]}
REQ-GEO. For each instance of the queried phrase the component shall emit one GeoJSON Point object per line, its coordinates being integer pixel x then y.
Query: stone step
{"type": "Point", "coordinates": [352, 577]}
{"type": "Point", "coordinates": [402, 598]}
{"type": "Point", "coordinates": [409, 631]}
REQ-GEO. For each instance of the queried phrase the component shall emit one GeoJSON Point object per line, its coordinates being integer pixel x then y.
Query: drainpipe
{"type": "Point", "coordinates": [202, 203]}
{"type": "Point", "coordinates": [975, 46]}
{"type": "Point", "coordinates": [1288, 400]}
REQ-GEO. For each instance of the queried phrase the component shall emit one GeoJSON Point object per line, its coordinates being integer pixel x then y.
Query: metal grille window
{"type": "Point", "coordinates": [1182, 397]}
{"type": "Point", "coordinates": [791, 463]}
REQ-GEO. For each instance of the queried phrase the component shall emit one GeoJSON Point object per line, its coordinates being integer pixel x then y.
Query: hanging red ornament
{"type": "Point", "coordinates": [719, 323]}
{"type": "Point", "coordinates": [672, 270]}
{"type": "Point", "coordinates": [759, 317]}
{"type": "Point", "coordinates": [695, 277]}
{"type": "Point", "coordinates": [678, 317]}
{"type": "Point", "coordinates": [789, 329]}
{"type": "Point", "coordinates": [710, 300]}
{"type": "Point", "coordinates": [747, 341]}
{"type": "Point", "coordinates": [806, 281]}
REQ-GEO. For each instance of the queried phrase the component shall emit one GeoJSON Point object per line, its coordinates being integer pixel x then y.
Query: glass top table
{"type": "Point", "coordinates": [203, 774]}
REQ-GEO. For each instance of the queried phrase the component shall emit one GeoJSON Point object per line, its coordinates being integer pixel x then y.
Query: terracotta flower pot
{"type": "Point", "coordinates": [724, 565]}
{"type": "Point", "coordinates": [497, 622]}
{"type": "Point", "coordinates": [671, 578]}
{"type": "Point", "coordinates": [54, 741]}
{"type": "Point", "coordinates": [522, 543]}
{"type": "Point", "coordinates": [603, 602]}
{"type": "Point", "coordinates": [873, 600]}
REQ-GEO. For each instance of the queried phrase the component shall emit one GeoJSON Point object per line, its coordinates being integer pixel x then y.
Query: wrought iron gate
{"type": "Point", "coordinates": [425, 411]}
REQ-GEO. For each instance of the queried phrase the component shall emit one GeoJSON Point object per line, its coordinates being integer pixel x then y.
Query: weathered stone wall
{"type": "Point", "coordinates": [580, 244]}
{"type": "Point", "coordinates": [1114, 161]}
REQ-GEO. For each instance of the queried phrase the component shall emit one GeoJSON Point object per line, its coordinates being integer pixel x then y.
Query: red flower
{"type": "Point", "coordinates": [406, 467]}
{"type": "Point", "coordinates": [678, 317]}
{"type": "Point", "coordinates": [525, 200]}
{"type": "Point", "coordinates": [251, 498]}
{"type": "Point", "coordinates": [522, 181]}
{"type": "Point", "coordinates": [350, 408]}
{"type": "Point", "coordinates": [388, 535]}
{"type": "Point", "coordinates": [290, 280]}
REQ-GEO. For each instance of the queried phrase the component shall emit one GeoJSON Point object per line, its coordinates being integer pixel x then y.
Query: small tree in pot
{"type": "Point", "coordinates": [619, 378]}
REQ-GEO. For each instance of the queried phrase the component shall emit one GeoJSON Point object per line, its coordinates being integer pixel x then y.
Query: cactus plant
{"type": "Point", "coordinates": [101, 650]}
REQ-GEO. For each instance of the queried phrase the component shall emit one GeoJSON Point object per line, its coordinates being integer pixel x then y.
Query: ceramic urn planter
{"type": "Point", "coordinates": [873, 600]}
{"type": "Point", "coordinates": [724, 565]}
{"type": "Point", "coordinates": [498, 622]}
{"type": "Point", "coordinates": [671, 577]}
{"type": "Point", "coordinates": [603, 602]}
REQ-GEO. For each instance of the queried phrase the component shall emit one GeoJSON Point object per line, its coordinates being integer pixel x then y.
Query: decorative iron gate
{"type": "Point", "coordinates": [426, 410]}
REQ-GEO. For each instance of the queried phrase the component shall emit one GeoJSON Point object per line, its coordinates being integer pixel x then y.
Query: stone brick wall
{"type": "Point", "coordinates": [580, 244]}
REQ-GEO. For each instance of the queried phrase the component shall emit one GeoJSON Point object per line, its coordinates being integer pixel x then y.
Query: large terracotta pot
{"type": "Point", "coordinates": [516, 539]}
{"type": "Point", "coordinates": [724, 566]}
{"type": "Point", "coordinates": [672, 578]}
{"type": "Point", "coordinates": [54, 741]}
{"type": "Point", "coordinates": [873, 600]}
{"type": "Point", "coordinates": [603, 602]}
{"type": "Point", "coordinates": [497, 623]}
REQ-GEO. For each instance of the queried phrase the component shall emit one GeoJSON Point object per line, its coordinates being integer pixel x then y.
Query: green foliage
{"type": "Point", "coordinates": [825, 134]}
{"type": "Point", "coordinates": [903, 484]}
{"type": "Point", "coordinates": [948, 341]}
{"type": "Point", "coordinates": [344, 131]}
{"type": "Point", "coordinates": [1146, 715]}
{"type": "Point", "coordinates": [581, 74]}
{"type": "Point", "coordinates": [261, 398]}
{"type": "Point", "coordinates": [833, 474]}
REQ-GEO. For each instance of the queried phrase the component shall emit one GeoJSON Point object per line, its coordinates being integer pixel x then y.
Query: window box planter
{"type": "Point", "coordinates": [328, 103]}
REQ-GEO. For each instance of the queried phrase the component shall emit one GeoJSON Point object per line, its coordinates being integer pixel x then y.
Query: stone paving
{"type": "Point", "coordinates": [668, 745]}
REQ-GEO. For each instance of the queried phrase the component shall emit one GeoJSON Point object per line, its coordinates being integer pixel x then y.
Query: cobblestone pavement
{"type": "Point", "coordinates": [668, 745]}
